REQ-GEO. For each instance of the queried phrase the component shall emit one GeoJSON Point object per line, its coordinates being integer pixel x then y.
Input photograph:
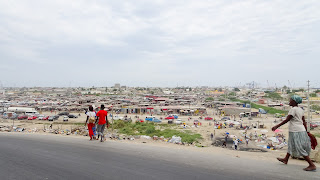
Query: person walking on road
{"type": "Point", "coordinates": [90, 122]}
{"type": "Point", "coordinates": [299, 143]}
{"type": "Point", "coordinates": [102, 118]}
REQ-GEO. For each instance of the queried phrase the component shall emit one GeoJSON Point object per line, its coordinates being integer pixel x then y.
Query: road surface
{"type": "Point", "coordinates": [35, 156]}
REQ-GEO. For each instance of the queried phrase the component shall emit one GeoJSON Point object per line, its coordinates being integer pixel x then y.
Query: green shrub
{"type": "Point", "coordinates": [149, 129]}
{"type": "Point", "coordinates": [270, 110]}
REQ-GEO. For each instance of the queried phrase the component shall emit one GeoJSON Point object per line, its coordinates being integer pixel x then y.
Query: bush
{"type": "Point", "coordinates": [210, 99]}
{"type": "Point", "coordinates": [118, 124]}
{"type": "Point", "coordinates": [266, 108]}
{"type": "Point", "coordinates": [149, 129]}
{"type": "Point", "coordinates": [274, 96]}
{"type": "Point", "coordinates": [315, 107]}
{"type": "Point", "coordinates": [127, 130]}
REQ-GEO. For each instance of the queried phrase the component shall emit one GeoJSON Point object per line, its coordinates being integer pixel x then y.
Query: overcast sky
{"type": "Point", "coordinates": [159, 43]}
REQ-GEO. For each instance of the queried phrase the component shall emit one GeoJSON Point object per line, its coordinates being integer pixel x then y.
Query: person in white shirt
{"type": "Point", "coordinates": [90, 122]}
{"type": "Point", "coordinates": [235, 142]}
{"type": "Point", "coordinates": [299, 143]}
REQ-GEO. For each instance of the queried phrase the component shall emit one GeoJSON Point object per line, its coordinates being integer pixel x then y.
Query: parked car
{"type": "Point", "coordinates": [313, 125]}
{"type": "Point", "coordinates": [178, 121]}
{"type": "Point", "coordinates": [40, 116]}
{"type": "Point", "coordinates": [55, 117]}
{"type": "Point", "coordinates": [72, 116]}
{"type": "Point", "coordinates": [149, 118]}
{"type": "Point", "coordinates": [65, 118]}
{"type": "Point", "coordinates": [156, 120]}
{"type": "Point", "coordinates": [169, 117]}
{"type": "Point", "coordinates": [51, 118]}
{"type": "Point", "coordinates": [316, 122]}
{"type": "Point", "coordinates": [208, 118]}
{"type": "Point", "coordinates": [140, 120]}
{"type": "Point", "coordinates": [30, 118]}
{"type": "Point", "coordinates": [45, 118]}
{"type": "Point", "coordinates": [176, 116]}
{"type": "Point", "coordinates": [225, 118]}
{"type": "Point", "coordinates": [22, 117]}
{"type": "Point", "coordinates": [63, 114]}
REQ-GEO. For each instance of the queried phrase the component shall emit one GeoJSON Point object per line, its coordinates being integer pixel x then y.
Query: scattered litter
{"type": "Point", "coordinates": [175, 140]}
{"type": "Point", "coordinates": [145, 137]}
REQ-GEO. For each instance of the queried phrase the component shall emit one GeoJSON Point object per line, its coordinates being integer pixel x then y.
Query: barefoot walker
{"type": "Point", "coordinates": [299, 142]}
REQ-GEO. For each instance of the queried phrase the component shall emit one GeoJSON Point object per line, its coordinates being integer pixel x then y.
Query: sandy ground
{"type": "Point", "coordinates": [205, 130]}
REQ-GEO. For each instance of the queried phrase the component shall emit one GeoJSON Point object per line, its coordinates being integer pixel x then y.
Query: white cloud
{"type": "Point", "coordinates": [140, 35]}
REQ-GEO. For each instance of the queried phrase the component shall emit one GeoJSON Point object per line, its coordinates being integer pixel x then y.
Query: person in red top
{"type": "Point", "coordinates": [102, 118]}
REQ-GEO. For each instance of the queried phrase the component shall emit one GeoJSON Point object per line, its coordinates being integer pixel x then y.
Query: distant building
{"type": "Point", "coordinates": [117, 86]}
{"type": "Point", "coordinates": [262, 101]}
{"type": "Point", "coordinates": [91, 92]}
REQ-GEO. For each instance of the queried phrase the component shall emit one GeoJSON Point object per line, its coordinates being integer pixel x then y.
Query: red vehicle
{"type": "Point", "coordinates": [140, 120]}
{"type": "Point", "coordinates": [32, 117]}
{"type": "Point", "coordinates": [208, 118]}
{"type": "Point", "coordinates": [169, 117]}
{"type": "Point", "coordinates": [22, 117]}
{"type": "Point", "coordinates": [312, 125]}
{"type": "Point", "coordinates": [45, 118]}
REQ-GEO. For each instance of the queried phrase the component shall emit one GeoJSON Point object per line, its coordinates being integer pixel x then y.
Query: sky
{"type": "Point", "coordinates": [159, 43]}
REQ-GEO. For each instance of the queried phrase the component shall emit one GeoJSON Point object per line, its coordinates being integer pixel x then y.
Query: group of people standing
{"type": "Point", "coordinates": [97, 121]}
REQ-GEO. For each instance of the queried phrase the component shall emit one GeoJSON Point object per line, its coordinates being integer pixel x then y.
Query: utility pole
{"type": "Point", "coordinates": [112, 119]}
{"type": "Point", "coordinates": [308, 96]}
{"type": "Point", "coordinates": [250, 118]}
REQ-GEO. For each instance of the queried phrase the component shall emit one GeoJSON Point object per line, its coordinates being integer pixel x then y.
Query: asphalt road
{"type": "Point", "coordinates": [34, 156]}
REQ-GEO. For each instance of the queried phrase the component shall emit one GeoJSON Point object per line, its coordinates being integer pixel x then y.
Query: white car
{"type": "Point", "coordinates": [65, 118]}
{"type": "Point", "coordinates": [178, 121]}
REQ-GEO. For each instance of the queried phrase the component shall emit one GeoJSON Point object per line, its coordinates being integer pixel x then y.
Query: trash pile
{"type": "Point", "coordinates": [17, 129]}
{"type": "Point", "coordinates": [275, 142]}
{"type": "Point", "coordinates": [82, 131]}
{"type": "Point", "coordinates": [79, 131]}
{"type": "Point", "coordinates": [175, 140]}
{"type": "Point", "coordinates": [5, 128]}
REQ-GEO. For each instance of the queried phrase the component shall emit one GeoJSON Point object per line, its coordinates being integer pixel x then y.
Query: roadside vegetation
{"type": "Point", "coordinates": [210, 99]}
{"type": "Point", "coordinates": [317, 135]}
{"type": "Point", "coordinates": [151, 129]}
{"type": "Point", "coordinates": [273, 96]}
{"type": "Point", "coordinates": [315, 107]}
{"type": "Point", "coordinates": [269, 110]}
